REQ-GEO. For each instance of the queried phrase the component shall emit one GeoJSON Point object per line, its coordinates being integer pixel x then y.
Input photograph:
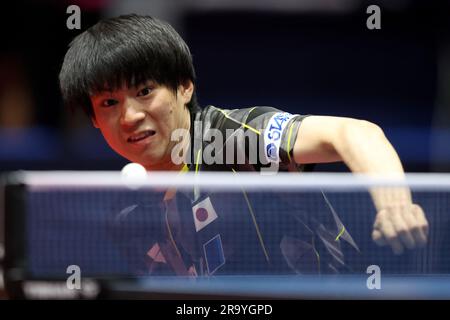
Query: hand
{"type": "Point", "coordinates": [401, 226]}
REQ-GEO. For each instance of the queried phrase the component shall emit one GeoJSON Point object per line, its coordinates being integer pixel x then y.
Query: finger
{"type": "Point", "coordinates": [377, 235]}
{"type": "Point", "coordinates": [378, 238]}
{"type": "Point", "coordinates": [380, 217]}
{"type": "Point", "coordinates": [401, 227]}
{"type": "Point", "coordinates": [422, 225]}
{"type": "Point", "coordinates": [418, 224]}
{"type": "Point", "coordinates": [388, 231]}
{"type": "Point", "coordinates": [416, 231]}
{"type": "Point", "coordinates": [420, 216]}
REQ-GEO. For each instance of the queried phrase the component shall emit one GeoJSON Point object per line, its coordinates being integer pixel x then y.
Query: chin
{"type": "Point", "coordinates": [151, 164]}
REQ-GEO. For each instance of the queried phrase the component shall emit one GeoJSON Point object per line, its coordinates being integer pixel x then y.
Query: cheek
{"type": "Point", "coordinates": [110, 138]}
{"type": "Point", "coordinates": [164, 115]}
{"type": "Point", "coordinates": [108, 130]}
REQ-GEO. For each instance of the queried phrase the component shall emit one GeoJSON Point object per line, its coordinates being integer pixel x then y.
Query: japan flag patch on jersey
{"type": "Point", "coordinates": [204, 214]}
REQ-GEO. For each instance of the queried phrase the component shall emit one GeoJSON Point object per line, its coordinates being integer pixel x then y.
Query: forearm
{"type": "Point", "coordinates": [365, 149]}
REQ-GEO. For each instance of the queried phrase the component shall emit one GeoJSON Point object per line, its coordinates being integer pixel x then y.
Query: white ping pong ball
{"type": "Point", "coordinates": [134, 174]}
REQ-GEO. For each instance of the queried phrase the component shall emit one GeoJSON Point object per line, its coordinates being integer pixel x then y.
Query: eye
{"type": "Point", "coordinates": [144, 92]}
{"type": "Point", "coordinates": [109, 103]}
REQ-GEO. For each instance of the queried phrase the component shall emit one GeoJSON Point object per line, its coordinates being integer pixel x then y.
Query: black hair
{"type": "Point", "coordinates": [126, 50]}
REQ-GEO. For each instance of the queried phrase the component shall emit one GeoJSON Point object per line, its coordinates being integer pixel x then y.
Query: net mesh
{"type": "Point", "coordinates": [121, 232]}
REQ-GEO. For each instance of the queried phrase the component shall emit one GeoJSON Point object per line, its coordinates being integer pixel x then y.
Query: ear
{"type": "Point", "coordinates": [186, 90]}
{"type": "Point", "coordinates": [94, 122]}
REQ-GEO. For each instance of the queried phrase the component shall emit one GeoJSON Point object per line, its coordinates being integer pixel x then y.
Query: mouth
{"type": "Point", "coordinates": [141, 136]}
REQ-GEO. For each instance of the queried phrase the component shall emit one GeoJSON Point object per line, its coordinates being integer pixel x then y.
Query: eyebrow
{"type": "Point", "coordinates": [108, 92]}
{"type": "Point", "coordinates": [99, 97]}
{"type": "Point", "coordinates": [104, 93]}
{"type": "Point", "coordinates": [145, 83]}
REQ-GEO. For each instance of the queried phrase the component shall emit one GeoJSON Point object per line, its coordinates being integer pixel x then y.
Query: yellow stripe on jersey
{"type": "Point", "coordinates": [260, 238]}
{"type": "Point", "coordinates": [289, 141]}
{"type": "Point", "coordinates": [241, 123]}
{"type": "Point", "coordinates": [197, 161]}
{"type": "Point", "coordinates": [340, 233]}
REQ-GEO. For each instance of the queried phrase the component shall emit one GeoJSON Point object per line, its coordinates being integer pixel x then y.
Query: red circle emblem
{"type": "Point", "coordinates": [201, 214]}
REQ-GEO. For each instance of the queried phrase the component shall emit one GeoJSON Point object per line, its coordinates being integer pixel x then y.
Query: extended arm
{"type": "Point", "coordinates": [364, 148]}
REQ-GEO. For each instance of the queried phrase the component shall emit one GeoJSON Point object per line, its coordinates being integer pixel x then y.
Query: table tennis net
{"type": "Point", "coordinates": [247, 225]}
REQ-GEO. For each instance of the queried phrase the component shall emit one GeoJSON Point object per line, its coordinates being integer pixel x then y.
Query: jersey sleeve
{"type": "Point", "coordinates": [264, 136]}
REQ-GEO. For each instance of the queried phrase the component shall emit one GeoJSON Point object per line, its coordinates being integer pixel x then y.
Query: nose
{"type": "Point", "coordinates": [132, 113]}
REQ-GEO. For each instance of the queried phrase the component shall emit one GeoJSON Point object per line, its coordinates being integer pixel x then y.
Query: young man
{"type": "Point", "coordinates": [133, 75]}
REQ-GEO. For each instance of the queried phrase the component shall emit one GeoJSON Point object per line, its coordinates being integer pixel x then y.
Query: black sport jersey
{"type": "Point", "coordinates": [215, 233]}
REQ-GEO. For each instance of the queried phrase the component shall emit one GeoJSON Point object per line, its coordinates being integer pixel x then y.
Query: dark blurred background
{"type": "Point", "coordinates": [302, 56]}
